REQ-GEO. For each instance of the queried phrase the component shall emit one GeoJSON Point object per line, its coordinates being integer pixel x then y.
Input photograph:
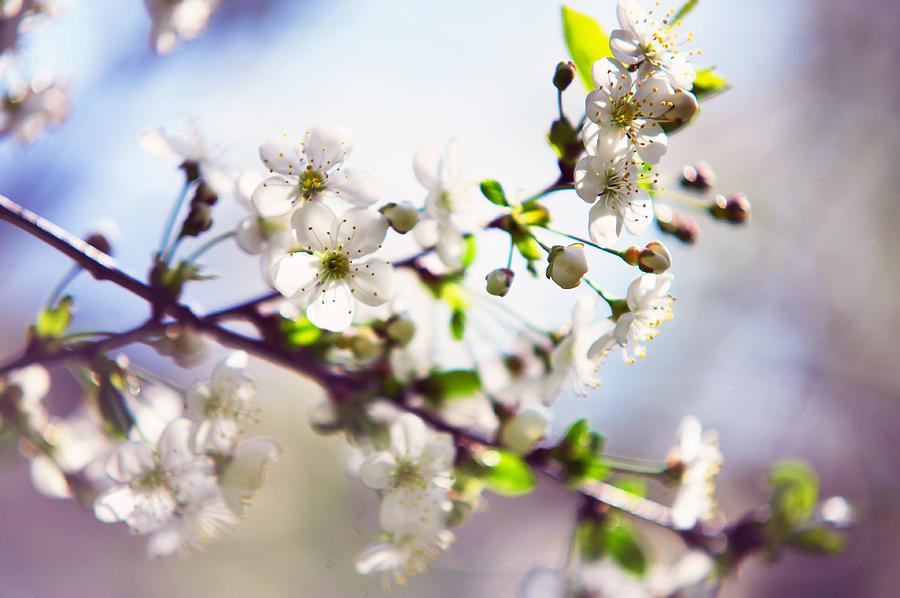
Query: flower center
{"type": "Point", "coordinates": [408, 474]}
{"type": "Point", "coordinates": [624, 111]}
{"type": "Point", "coordinates": [311, 182]}
{"type": "Point", "coordinates": [334, 264]}
{"type": "Point", "coordinates": [615, 184]}
{"type": "Point", "coordinates": [155, 478]}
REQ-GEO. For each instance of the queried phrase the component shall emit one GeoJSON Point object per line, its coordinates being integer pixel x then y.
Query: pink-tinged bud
{"type": "Point", "coordinates": [655, 258]}
{"type": "Point", "coordinates": [403, 216]}
{"type": "Point", "coordinates": [735, 208]}
{"type": "Point", "coordinates": [699, 176]}
{"type": "Point", "coordinates": [683, 228]}
{"type": "Point", "coordinates": [684, 109]}
{"type": "Point", "coordinates": [499, 281]}
{"type": "Point", "coordinates": [400, 330]}
{"type": "Point", "coordinates": [567, 265]}
{"type": "Point", "coordinates": [565, 73]}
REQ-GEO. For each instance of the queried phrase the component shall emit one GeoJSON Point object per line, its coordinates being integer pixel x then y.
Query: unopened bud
{"type": "Point", "coordinates": [683, 228]}
{"type": "Point", "coordinates": [499, 281]}
{"type": "Point", "coordinates": [403, 216]}
{"type": "Point", "coordinates": [685, 107]}
{"type": "Point", "coordinates": [565, 73]}
{"type": "Point", "coordinates": [400, 330]}
{"type": "Point", "coordinates": [655, 258]}
{"type": "Point", "coordinates": [183, 344]}
{"type": "Point", "coordinates": [324, 417]}
{"type": "Point", "coordinates": [525, 429]}
{"type": "Point", "coordinates": [198, 220]}
{"type": "Point", "coordinates": [567, 265]}
{"type": "Point", "coordinates": [204, 195]}
{"type": "Point", "coordinates": [699, 176]}
{"type": "Point", "coordinates": [104, 233]}
{"type": "Point", "coordinates": [364, 345]}
{"type": "Point", "coordinates": [99, 242]}
{"type": "Point", "coordinates": [191, 170]}
{"type": "Point", "coordinates": [735, 208]}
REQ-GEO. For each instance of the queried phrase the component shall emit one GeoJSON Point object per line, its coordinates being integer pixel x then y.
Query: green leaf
{"type": "Point", "coordinates": [684, 10]}
{"type": "Point", "coordinates": [53, 322]}
{"type": "Point", "coordinates": [531, 213]}
{"type": "Point", "coordinates": [469, 251]}
{"type": "Point", "coordinates": [795, 490]}
{"type": "Point", "coordinates": [635, 486]}
{"type": "Point", "coordinates": [528, 247]}
{"type": "Point", "coordinates": [820, 539]}
{"type": "Point", "coordinates": [458, 324]}
{"type": "Point", "coordinates": [580, 452]}
{"type": "Point", "coordinates": [494, 192]}
{"type": "Point", "coordinates": [590, 539]}
{"type": "Point", "coordinates": [623, 547]}
{"type": "Point", "coordinates": [505, 472]}
{"type": "Point", "coordinates": [709, 82]}
{"type": "Point", "coordinates": [455, 383]}
{"type": "Point", "coordinates": [299, 332]}
{"type": "Point", "coordinates": [586, 41]}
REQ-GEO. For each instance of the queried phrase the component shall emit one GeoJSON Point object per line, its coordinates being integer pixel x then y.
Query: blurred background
{"type": "Point", "coordinates": [784, 337]}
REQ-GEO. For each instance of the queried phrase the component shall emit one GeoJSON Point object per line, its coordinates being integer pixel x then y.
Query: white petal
{"type": "Point", "coordinates": [652, 142]}
{"type": "Point", "coordinates": [600, 347]}
{"type": "Point", "coordinates": [327, 145]}
{"type": "Point", "coordinates": [638, 214]}
{"type": "Point", "coordinates": [116, 504]}
{"type": "Point", "coordinates": [625, 46]}
{"type": "Point", "coordinates": [380, 557]}
{"type": "Point", "coordinates": [631, 15]}
{"type": "Point", "coordinates": [48, 479]}
{"type": "Point", "coordinates": [315, 226]}
{"type": "Point", "coordinates": [604, 224]}
{"type": "Point", "coordinates": [274, 196]}
{"type": "Point", "coordinates": [355, 186]}
{"type": "Point", "coordinates": [588, 182]}
{"type": "Point", "coordinates": [294, 275]}
{"type": "Point", "coordinates": [412, 510]}
{"type": "Point", "coordinates": [331, 308]}
{"type": "Point", "coordinates": [174, 444]}
{"type": "Point", "coordinates": [362, 231]}
{"type": "Point", "coordinates": [408, 436]}
{"type": "Point", "coordinates": [372, 281]}
{"type": "Point", "coordinates": [155, 142]}
{"type": "Point", "coordinates": [281, 155]}
{"type": "Point", "coordinates": [427, 166]}
{"type": "Point", "coordinates": [438, 455]}
{"type": "Point", "coordinates": [249, 236]}
{"type": "Point", "coordinates": [377, 469]}
{"type": "Point", "coordinates": [129, 461]}
{"type": "Point", "coordinates": [453, 167]}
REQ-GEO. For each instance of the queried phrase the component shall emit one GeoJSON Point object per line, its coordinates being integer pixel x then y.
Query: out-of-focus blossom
{"type": "Point", "coordinates": [176, 20]}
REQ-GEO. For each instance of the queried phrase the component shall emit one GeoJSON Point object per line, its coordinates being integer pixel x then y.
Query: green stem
{"type": "Point", "coordinates": [680, 198]}
{"type": "Point", "coordinates": [86, 334]}
{"type": "Point", "coordinates": [512, 246]}
{"type": "Point", "coordinates": [585, 241]}
{"type": "Point", "coordinates": [61, 285]}
{"type": "Point", "coordinates": [559, 104]}
{"type": "Point", "coordinates": [208, 245]}
{"type": "Point", "coordinates": [633, 466]}
{"type": "Point", "coordinates": [551, 189]}
{"type": "Point", "coordinates": [171, 251]}
{"type": "Point", "coordinates": [173, 215]}
{"type": "Point", "coordinates": [598, 291]}
{"type": "Point", "coordinates": [148, 376]}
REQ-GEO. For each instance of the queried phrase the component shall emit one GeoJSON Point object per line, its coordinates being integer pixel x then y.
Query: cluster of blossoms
{"type": "Point", "coordinates": [178, 470]}
{"type": "Point", "coordinates": [442, 391]}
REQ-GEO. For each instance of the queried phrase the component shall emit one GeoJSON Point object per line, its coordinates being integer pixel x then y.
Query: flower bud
{"type": "Point", "coordinates": [204, 195]}
{"type": "Point", "coordinates": [324, 417]}
{"type": "Point", "coordinates": [198, 220]}
{"type": "Point", "coordinates": [683, 228]}
{"type": "Point", "coordinates": [183, 344]}
{"type": "Point", "coordinates": [684, 109]}
{"type": "Point", "coordinates": [565, 73]}
{"type": "Point", "coordinates": [655, 258]}
{"type": "Point", "coordinates": [499, 281]}
{"type": "Point", "coordinates": [735, 208]}
{"type": "Point", "coordinates": [403, 216]}
{"type": "Point", "coordinates": [364, 345]}
{"type": "Point", "coordinates": [699, 176]}
{"type": "Point", "coordinates": [525, 429]}
{"type": "Point", "coordinates": [400, 330]}
{"type": "Point", "coordinates": [567, 265]}
{"type": "Point", "coordinates": [104, 233]}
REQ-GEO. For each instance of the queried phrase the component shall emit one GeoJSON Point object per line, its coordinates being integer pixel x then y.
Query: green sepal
{"type": "Point", "coordinates": [494, 192]}
{"type": "Point", "coordinates": [52, 322]}
{"type": "Point", "coordinates": [708, 83]}
{"type": "Point", "coordinates": [819, 539]}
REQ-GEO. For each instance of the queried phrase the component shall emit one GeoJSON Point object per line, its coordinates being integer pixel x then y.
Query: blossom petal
{"type": "Point", "coordinates": [355, 186]}
{"type": "Point", "coordinates": [652, 142]}
{"type": "Point", "coordinates": [412, 510]}
{"type": "Point", "coordinates": [281, 155]}
{"type": "Point", "coordinates": [604, 224]}
{"type": "Point", "coordinates": [377, 469]}
{"type": "Point", "coordinates": [408, 436]}
{"type": "Point", "coordinates": [296, 274]}
{"type": "Point", "coordinates": [315, 226]}
{"type": "Point", "coordinates": [274, 196]}
{"type": "Point", "coordinates": [625, 46]}
{"type": "Point", "coordinates": [380, 557]}
{"type": "Point", "coordinates": [327, 145]}
{"type": "Point", "coordinates": [372, 281]}
{"type": "Point", "coordinates": [638, 214]}
{"type": "Point", "coordinates": [427, 166]}
{"type": "Point", "coordinates": [249, 236]}
{"type": "Point", "coordinates": [174, 444]}
{"type": "Point", "coordinates": [116, 504]}
{"type": "Point", "coordinates": [361, 231]}
{"type": "Point", "coordinates": [331, 308]}
{"type": "Point", "coordinates": [129, 461]}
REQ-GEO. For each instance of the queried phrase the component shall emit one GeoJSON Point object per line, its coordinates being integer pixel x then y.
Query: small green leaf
{"type": "Point", "coordinates": [586, 41]}
{"type": "Point", "coordinates": [469, 251]}
{"type": "Point", "coordinates": [532, 213]}
{"type": "Point", "coordinates": [455, 383]}
{"type": "Point", "coordinates": [299, 332]}
{"type": "Point", "coordinates": [53, 322]}
{"type": "Point", "coordinates": [820, 539]}
{"type": "Point", "coordinates": [505, 472]}
{"type": "Point", "coordinates": [795, 490]}
{"type": "Point", "coordinates": [623, 547]}
{"type": "Point", "coordinates": [709, 82]}
{"type": "Point", "coordinates": [686, 8]}
{"type": "Point", "coordinates": [635, 486]}
{"type": "Point", "coordinates": [528, 247]}
{"type": "Point", "coordinates": [494, 192]}
{"type": "Point", "coordinates": [590, 539]}
{"type": "Point", "coordinates": [458, 324]}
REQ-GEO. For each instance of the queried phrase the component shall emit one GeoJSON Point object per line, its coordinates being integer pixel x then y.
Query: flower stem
{"type": "Point", "coordinates": [598, 291]}
{"type": "Point", "coordinates": [61, 285]}
{"type": "Point", "coordinates": [633, 466]}
{"type": "Point", "coordinates": [681, 198]}
{"type": "Point", "coordinates": [585, 241]}
{"type": "Point", "coordinates": [512, 246]}
{"type": "Point", "coordinates": [170, 223]}
{"type": "Point", "coordinates": [207, 246]}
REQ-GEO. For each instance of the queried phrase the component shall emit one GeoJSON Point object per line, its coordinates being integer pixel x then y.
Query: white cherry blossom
{"type": "Point", "coordinates": [571, 359]}
{"type": "Point", "coordinates": [174, 20]}
{"type": "Point", "coordinates": [404, 555]}
{"type": "Point", "coordinates": [610, 175]}
{"type": "Point", "coordinates": [699, 458]}
{"type": "Point", "coordinates": [331, 272]}
{"type": "Point", "coordinates": [29, 110]}
{"type": "Point", "coordinates": [451, 209]}
{"type": "Point", "coordinates": [651, 43]}
{"type": "Point", "coordinates": [224, 407]}
{"type": "Point", "coordinates": [192, 148]}
{"type": "Point", "coordinates": [244, 471]}
{"type": "Point", "coordinates": [310, 169]}
{"type": "Point", "coordinates": [630, 108]}
{"type": "Point", "coordinates": [649, 305]}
